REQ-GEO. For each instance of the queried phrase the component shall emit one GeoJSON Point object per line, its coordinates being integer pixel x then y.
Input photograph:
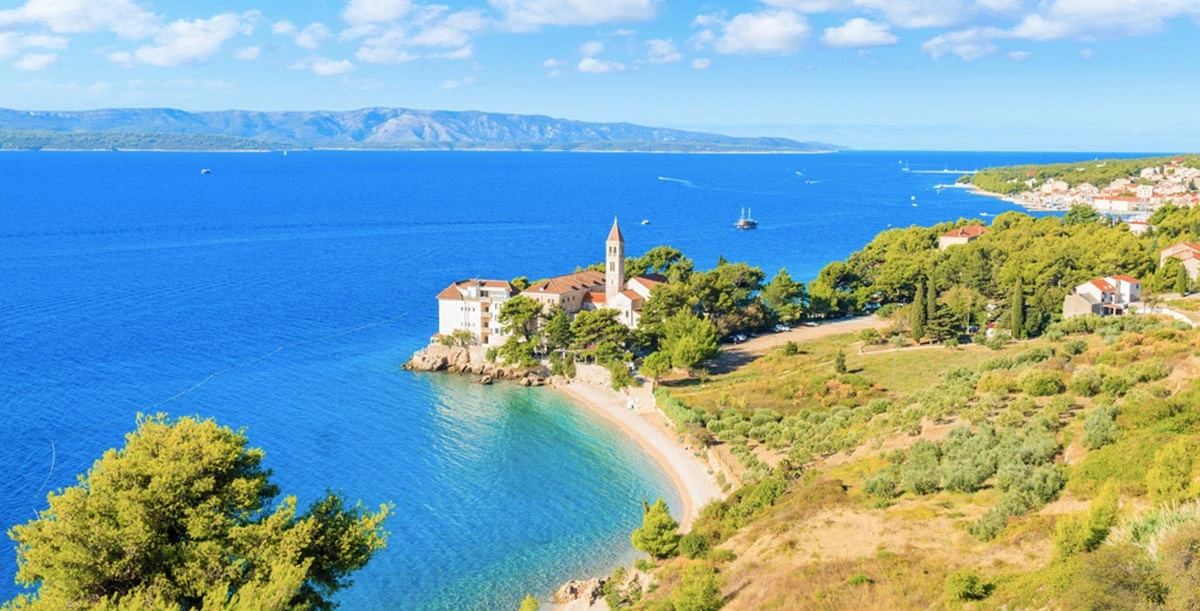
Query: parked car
{"type": "Point", "coordinates": [809, 323]}
{"type": "Point", "coordinates": [780, 328]}
{"type": "Point", "coordinates": [738, 338]}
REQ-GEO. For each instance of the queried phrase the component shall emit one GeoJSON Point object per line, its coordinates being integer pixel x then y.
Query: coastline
{"type": "Point", "coordinates": [689, 474]}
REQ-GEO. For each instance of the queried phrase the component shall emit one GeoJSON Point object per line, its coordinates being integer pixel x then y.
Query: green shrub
{"type": "Point", "coordinates": [882, 485]}
{"type": "Point", "coordinates": [1170, 479]}
{"type": "Point", "coordinates": [859, 579]}
{"type": "Point", "coordinates": [699, 590]}
{"type": "Point", "coordinates": [1041, 383]}
{"type": "Point", "coordinates": [966, 585]}
{"type": "Point", "coordinates": [920, 472]}
{"type": "Point", "coordinates": [1086, 382]}
{"type": "Point", "coordinates": [1075, 347]}
{"type": "Point", "coordinates": [694, 545]}
{"type": "Point", "coordinates": [997, 382]}
{"type": "Point", "coordinates": [1100, 427]}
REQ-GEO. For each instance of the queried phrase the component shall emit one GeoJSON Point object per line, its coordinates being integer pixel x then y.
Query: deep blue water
{"type": "Point", "coordinates": [282, 293]}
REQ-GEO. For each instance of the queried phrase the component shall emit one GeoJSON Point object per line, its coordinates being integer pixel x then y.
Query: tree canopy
{"type": "Point", "coordinates": [182, 517]}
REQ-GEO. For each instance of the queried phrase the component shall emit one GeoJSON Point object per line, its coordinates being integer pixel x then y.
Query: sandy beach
{"type": "Point", "coordinates": [689, 473]}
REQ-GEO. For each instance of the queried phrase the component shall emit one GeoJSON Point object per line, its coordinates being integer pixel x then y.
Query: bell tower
{"type": "Point", "coordinates": [614, 263]}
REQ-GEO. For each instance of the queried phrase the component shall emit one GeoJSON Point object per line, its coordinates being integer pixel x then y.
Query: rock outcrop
{"type": "Point", "coordinates": [471, 361]}
{"type": "Point", "coordinates": [590, 591]}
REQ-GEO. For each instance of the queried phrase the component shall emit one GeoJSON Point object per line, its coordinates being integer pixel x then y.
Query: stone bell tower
{"type": "Point", "coordinates": [614, 263]}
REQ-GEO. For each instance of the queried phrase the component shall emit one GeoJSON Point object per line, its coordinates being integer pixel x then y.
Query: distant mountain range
{"type": "Point", "coordinates": [379, 128]}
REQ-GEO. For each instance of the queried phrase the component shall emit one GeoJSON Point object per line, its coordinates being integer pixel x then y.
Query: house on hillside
{"type": "Point", "coordinates": [1188, 253]}
{"type": "Point", "coordinates": [1108, 296]}
{"type": "Point", "coordinates": [474, 305]}
{"type": "Point", "coordinates": [961, 235]}
{"type": "Point", "coordinates": [1139, 227]}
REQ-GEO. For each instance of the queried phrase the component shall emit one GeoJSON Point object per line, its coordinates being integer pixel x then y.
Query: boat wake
{"type": "Point", "coordinates": [686, 183]}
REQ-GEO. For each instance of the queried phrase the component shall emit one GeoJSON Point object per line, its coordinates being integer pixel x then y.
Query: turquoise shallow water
{"type": "Point", "coordinates": [282, 293]}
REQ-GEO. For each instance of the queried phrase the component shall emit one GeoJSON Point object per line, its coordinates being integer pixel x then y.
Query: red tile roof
{"type": "Point", "coordinates": [595, 297]}
{"type": "Point", "coordinates": [970, 231]}
{"type": "Point", "coordinates": [1124, 278]}
{"type": "Point", "coordinates": [454, 291]}
{"type": "Point", "coordinates": [632, 295]}
{"type": "Point", "coordinates": [1101, 284]}
{"type": "Point", "coordinates": [569, 283]}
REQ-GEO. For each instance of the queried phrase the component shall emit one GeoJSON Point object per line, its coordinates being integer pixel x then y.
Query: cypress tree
{"type": "Point", "coordinates": [931, 301]}
{"type": "Point", "coordinates": [1017, 311]}
{"type": "Point", "coordinates": [1182, 281]}
{"type": "Point", "coordinates": [920, 314]}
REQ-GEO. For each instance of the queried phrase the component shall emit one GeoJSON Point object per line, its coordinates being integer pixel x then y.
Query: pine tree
{"type": "Point", "coordinates": [658, 535]}
{"type": "Point", "coordinates": [1017, 312]}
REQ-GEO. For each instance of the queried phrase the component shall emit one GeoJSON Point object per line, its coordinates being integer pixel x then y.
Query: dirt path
{"type": "Point", "coordinates": [735, 355]}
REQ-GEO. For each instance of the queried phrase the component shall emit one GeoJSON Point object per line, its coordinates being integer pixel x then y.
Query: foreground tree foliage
{"type": "Point", "coordinates": [658, 535]}
{"type": "Point", "coordinates": [182, 518]}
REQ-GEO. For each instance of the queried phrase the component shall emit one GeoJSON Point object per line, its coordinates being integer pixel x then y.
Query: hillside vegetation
{"type": "Point", "coordinates": [1051, 467]}
{"type": "Point", "coordinates": [1010, 180]}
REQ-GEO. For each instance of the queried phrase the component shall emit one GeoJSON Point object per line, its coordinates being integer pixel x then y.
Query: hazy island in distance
{"type": "Point", "coordinates": [367, 128]}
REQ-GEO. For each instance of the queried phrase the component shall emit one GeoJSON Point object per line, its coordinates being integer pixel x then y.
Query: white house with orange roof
{"type": "Point", "coordinates": [1108, 296]}
{"type": "Point", "coordinates": [474, 305]}
{"type": "Point", "coordinates": [961, 235]}
{"type": "Point", "coordinates": [1188, 253]}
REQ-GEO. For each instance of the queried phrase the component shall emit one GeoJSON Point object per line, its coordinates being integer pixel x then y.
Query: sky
{"type": "Point", "coordinates": [1089, 75]}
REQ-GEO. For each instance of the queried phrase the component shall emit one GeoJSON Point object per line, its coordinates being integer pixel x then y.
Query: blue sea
{"type": "Point", "coordinates": [282, 294]}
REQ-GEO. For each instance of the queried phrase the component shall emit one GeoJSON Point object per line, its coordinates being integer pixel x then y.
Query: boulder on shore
{"type": "Point", "coordinates": [591, 591]}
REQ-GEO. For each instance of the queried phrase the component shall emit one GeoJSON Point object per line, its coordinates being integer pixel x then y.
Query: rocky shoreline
{"type": "Point", "coordinates": [472, 361]}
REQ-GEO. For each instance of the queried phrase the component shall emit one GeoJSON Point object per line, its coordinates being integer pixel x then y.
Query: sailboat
{"type": "Point", "coordinates": [745, 222]}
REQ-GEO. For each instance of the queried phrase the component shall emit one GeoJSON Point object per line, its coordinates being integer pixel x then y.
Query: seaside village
{"type": "Point", "coordinates": [1114, 295]}
{"type": "Point", "coordinates": [474, 305]}
{"type": "Point", "coordinates": [1170, 183]}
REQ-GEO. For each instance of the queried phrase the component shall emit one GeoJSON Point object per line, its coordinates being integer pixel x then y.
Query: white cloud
{"type": "Point", "coordinates": [358, 12]}
{"type": "Point", "coordinates": [1087, 53]}
{"type": "Point", "coordinates": [309, 38]}
{"type": "Point", "coordinates": [465, 81]}
{"type": "Point", "coordinates": [323, 66]}
{"type": "Point", "coordinates": [591, 65]}
{"type": "Point", "coordinates": [920, 13]}
{"type": "Point", "coordinates": [1057, 19]}
{"type": "Point", "coordinates": [126, 18]}
{"type": "Point", "coordinates": [44, 41]}
{"type": "Point", "coordinates": [283, 27]}
{"type": "Point", "coordinates": [428, 26]}
{"type": "Point", "coordinates": [248, 53]}
{"type": "Point", "coordinates": [624, 32]}
{"type": "Point", "coordinates": [769, 31]}
{"type": "Point", "coordinates": [857, 33]}
{"type": "Point", "coordinates": [124, 58]}
{"type": "Point", "coordinates": [966, 44]}
{"type": "Point", "coordinates": [591, 48]}
{"type": "Point", "coordinates": [183, 42]}
{"type": "Point", "coordinates": [663, 51]}
{"type": "Point", "coordinates": [384, 55]}
{"type": "Point", "coordinates": [1019, 56]}
{"type": "Point", "coordinates": [35, 61]}
{"type": "Point", "coordinates": [312, 35]}
{"type": "Point", "coordinates": [466, 52]}
{"type": "Point", "coordinates": [701, 63]}
{"type": "Point", "coordinates": [553, 63]}
{"type": "Point", "coordinates": [12, 43]}
{"type": "Point", "coordinates": [525, 15]}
